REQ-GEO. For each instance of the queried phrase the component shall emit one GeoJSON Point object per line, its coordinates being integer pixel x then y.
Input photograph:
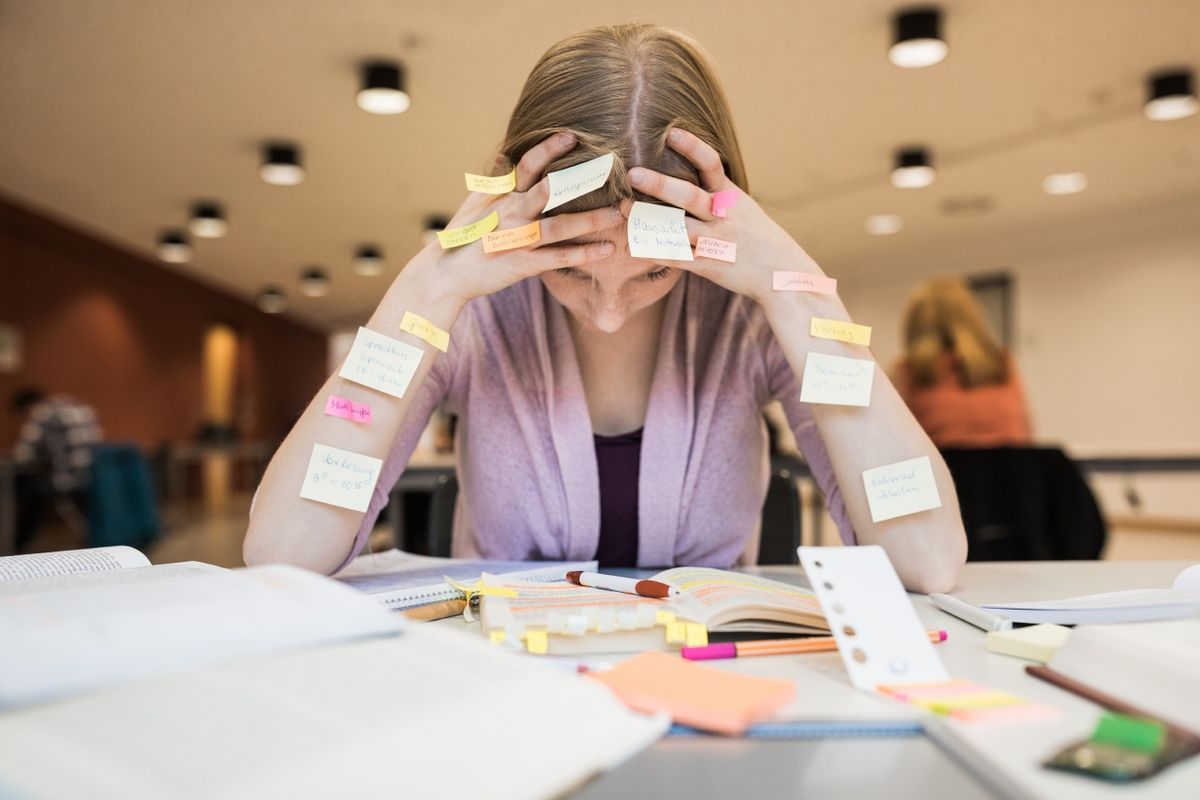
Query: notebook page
{"type": "Point", "coordinates": [66, 562]}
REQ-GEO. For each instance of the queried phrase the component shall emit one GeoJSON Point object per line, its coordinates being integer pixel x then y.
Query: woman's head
{"type": "Point", "coordinates": [619, 89]}
{"type": "Point", "coordinates": [942, 317]}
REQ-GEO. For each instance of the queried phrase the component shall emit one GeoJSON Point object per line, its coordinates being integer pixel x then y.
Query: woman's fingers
{"type": "Point", "coordinates": [529, 205]}
{"type": "Point", "coordinates": [703, 157]}
{"type": "Point", "coordinates": [567, 226]}
{"type": "Point", "coordinates": [688, 196]}
{"type": "Point", "coordinates": [540, 156]}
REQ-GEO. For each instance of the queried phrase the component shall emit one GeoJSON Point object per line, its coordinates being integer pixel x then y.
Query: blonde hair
{"type": "Point", "coordinates": [619, 89]}
{"type": "Point", "coordinates": [942, 317]}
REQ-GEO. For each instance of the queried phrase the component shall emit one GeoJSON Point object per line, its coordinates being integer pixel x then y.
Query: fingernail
{"type": "Point", "coordinates": [636, 176]}
{"type": "Point", "coordinates": [675, 135]}
{"type": "Point", "coordinates": [565, 139]}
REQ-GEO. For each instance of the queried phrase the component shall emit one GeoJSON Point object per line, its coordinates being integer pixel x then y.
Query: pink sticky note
{"type": "Point", "coordinates": [347, 409]}
{"type": "Point", "coordinates": [715, 248]}
{"type": "Point", "coordinates": [804, 282]}
{"type": "Point", "coordinates": [723, 201]}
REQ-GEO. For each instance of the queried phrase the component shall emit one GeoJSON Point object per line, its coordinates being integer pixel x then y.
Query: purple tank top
{"type": "Point", "coordinates": [617, 461]}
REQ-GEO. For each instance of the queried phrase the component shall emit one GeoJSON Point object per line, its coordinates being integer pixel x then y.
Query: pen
{"type": "Point", "coordinates": [645, 588]}
{"type": "Point", "coordinates": [774, 647]}
{"type": "Point", "coordinates": [969, 613]}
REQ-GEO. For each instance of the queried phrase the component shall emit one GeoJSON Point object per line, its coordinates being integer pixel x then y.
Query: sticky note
{"type": "Point", "coordinates": [489, 184]}
{"type": "Point", "coordinates": [837, 380]}
{"type": "Point", "coordinates": [840, 331]}
{"type": "Point", "coordinates": [537, 642]}
{"type": "Point", "coordinates": [716, 249]}
{"type": "Point", "coordinates": [348, 409]}
{"type": "Point", "coordinates": [576, 181]}
{"type": "Point", "coordinates": [723, 201]}
{"type": "Point", "coordinates": [905, 487]}
{"type": "Point", "coordinates": [803, 282]}
{"type": "Point", "coordinates": [422, 328]}
{"type": "Point", "coordinates": [497, 637]}
{"type": "Point", "coordinates": [381, 362]}
{"type": "Point", "coordinates": [1036, 643]}
{"type": "Point", "coordinates": [457, 237]}
{"type": "Point", "coordinates": [663, 617]}
{"type": "Point", "coordinates": [676, 633]}
{"type": "Point", "coordinates": [1133, 733]}
{"type": "Point", "coordinates": [512, 238]}
{"type": "Point", "coordinates": [695, 634]}
{"type": "Point", "coordinates": [340, 477]}
{"type": "Point", "coordinates": [658, 232]}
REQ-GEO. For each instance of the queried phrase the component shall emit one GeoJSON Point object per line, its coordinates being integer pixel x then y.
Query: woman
{"type": "Point", "coordinates": [959, 382]}
{"type": "Point", "coordinates": [612, 405]}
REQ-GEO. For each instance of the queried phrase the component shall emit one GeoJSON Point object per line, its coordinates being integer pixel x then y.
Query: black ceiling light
{"type": "Point", "coordinates": [368, 260]}
{"type": "Point", "coordinates": [913, 169]}
{"type": "Point", "coordinates": [1171, 94]}
{"type": "Point", "coordinates": [917, 37]}
{"type": "Point", "coordinates": [382, 89]}
{"type": "Point", "coordinates": [281, 164]}
{"type": "Point", "coordinates": [174, 248]}
{"type": "Point", "coordinates": [433, 224]}
{"type": "Point", "coordinates": [208, 221]}
{"type": "Point", "coordinates": [314, 282]}
{"type": "Point", "coordinates": [271, 300]}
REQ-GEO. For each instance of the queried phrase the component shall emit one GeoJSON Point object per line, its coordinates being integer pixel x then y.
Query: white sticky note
{"type": "Point", "coordinates": [837, 380]}
{"type": "Point", "coordinates": [576, 181]}
{"type": "Point", "coordinates": [381, 362]}
{"type": "Point", "coordinates": [905, 487]}
{"type": "Point", "coordinates": [340, 478]}
{"type": "Point", "coordinates": [658, 232]}
{"type": "Point", "coordinates": [879, 636]}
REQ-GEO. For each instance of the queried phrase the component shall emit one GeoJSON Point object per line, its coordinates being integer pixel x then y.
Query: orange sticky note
{"type": "Point", "coordinates": [704, 697]}
{"type": "Point", "coordinates": [512, 238]}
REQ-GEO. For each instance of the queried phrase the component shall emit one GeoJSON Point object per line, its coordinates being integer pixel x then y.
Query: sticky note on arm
{"type": "Point", "coordinates": [457, 237]}
{"type": "Point", "coordinates": [381, 362]}
{"type": "Point", "coordinates": [488, 184]}
{"type": "Point", "coordinates": [837, 380]}
{"type": "Point", "coordinates": [896, 490]}
{"type": "Point", "coordinates": [340, 478]}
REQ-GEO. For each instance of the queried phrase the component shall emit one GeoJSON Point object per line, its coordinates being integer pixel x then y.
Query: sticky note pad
{"type": "Point", "coordinates": [1036, 643]}
{"type": "Point", "coordinates": [724, 200]}
{"type": "Point", "coordinates": [837, 380]}
{"type": "Point", "coordinates": [537, 642]}
{"type": "Point", "coordinates": [496, 637]}
{"type": "Point", "coordinates": [381, 362]}
{"type": "Point", "coordinates": [457, 237]}
{"type": "Point", "coordinates": [423, 329]}
{"type": "Point", "coordinates": [348, 409]}
{"type": "Point", "coordinates": [489, 184]}
{"type": "Point", "coordinates": [658, 232]}
{"type": "Point", "coordinates": [676, 633]}
{"type": "Point", "coordinates": [704, 697]}
{"type": "Point", "coordinates": [905, 487]}
{"type": "Point", "coordinates": [663, 617]}
{"type": "Point", "coordinates": [1133, 733]}
{"type": "Point", "coordinates": [567, 184]}
{"type": "Point", "coordinates": [512, 238]}
{"type": "Point", "coordinates": [840, 331]}
{"type": "Point", "coordinates": [802, 282]}
{"type": "Point", "coordinates": [696, 634]}
{"type": "Point", "coordinates": [716, 249]}
{"type": "Point", "coordinates": [340, 477]}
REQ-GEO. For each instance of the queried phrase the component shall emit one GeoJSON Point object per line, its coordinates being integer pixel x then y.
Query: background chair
{"type": "Point", "coordinates": [122, 508]}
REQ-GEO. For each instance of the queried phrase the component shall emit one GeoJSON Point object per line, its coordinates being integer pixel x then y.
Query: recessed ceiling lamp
{"type": "Point", "coordinates": [1171, 96]}
{"type": "Point", "coordinates": [382, 89]}
{"type": "Point", "coordinates": [174, 248]}
{"type": "Point", "coordinates": [314, 282]}
{"type": "Point", "coordinates": [368, 260]}
{"type": "Point", "coordinates": [1064, 183]}
{"type": "Point", "coordinates": [281, 164]}
{"type": "Point", "coordinates": [884, 224]}
{"type": "Point", "coordinates": [208, 221]}
{"type": "Point", "coordinates": [271, 300]}
{"type": "Point", "coordinates": [913, 169]}
{"type": "Point", "coordinates": [918, 40]}
{"type": "Point", "coordinates": [433, 224]}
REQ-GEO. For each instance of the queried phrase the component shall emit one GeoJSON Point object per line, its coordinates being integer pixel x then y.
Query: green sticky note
{"type": "Point", "coordinates": [1133, 733]}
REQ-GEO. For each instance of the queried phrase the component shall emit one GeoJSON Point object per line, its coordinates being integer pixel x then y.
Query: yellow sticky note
{"type": "Point", "coordinates": [841, 331]}
{"type": "Point", "coordinates": [489, 184]}
{"type": "Point", "coordinates": [664, 617]}
{"type": "Point", "coordinates": [512, 238]}
{"type": "Point", "coordinates": [457, 237]}
{"type": "Point", "coordinates": [697, 634]}
{"type": "Point", "coordinates": [676, 633]}
{"type": "Point", "coordinates": [496, 637]}
{"type": "Point", "coordinates": [422, 328]}
{"type": "Point", "coordinates": [537, 642]}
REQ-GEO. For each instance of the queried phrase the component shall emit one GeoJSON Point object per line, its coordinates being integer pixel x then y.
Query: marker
{"type": "Point", "coordinates": [972, 614]}
{"type": "Point", "coordinates": [774, 647]}
{"type": "Point", "coordinates": [627, 585]}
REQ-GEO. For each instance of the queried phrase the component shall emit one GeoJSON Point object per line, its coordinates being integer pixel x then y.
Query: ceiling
{"type": "Point", "coordinates": [116, 116]}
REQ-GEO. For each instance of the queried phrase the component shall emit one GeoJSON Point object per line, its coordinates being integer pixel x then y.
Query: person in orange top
{"type": "Point", "coordinates": [960, 384]}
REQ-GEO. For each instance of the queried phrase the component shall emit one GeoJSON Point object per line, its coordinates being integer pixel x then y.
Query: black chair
{"type": "Point", "coordinates": [1025, 504]}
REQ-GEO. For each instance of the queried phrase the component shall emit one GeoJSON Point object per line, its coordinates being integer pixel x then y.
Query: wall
{"type": "Point", "coordinates": [126, 335]}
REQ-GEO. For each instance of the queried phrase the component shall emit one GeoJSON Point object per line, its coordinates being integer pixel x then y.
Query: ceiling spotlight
{"type": "Point", "coordinates": [433, 224]}
{"type": "Point", "coordinates": [281, 164]}
{"type": "Point", "coordinates": [382, 89]}
{"type": "Point", "coordinates": [208, 221]}
{"type": "Point", "coordinates": [913, 169]}
{"type": "Point", "coordinates": [368, 261]}
{"type": "Point", "coordinates": [174, 248]}
{"type": "Point", "coordinates": [271, 300]}
{"type": "Point", "coordinates": [1064, 183]}
{"type": "Point", "coordinates": [884, 224]}
{"type": "Point", "coordinates": [314, 282]}
{"type": "Point", "coordinates": [917, 38]}
{"type": "Point", "coordinates": [1171, 96]}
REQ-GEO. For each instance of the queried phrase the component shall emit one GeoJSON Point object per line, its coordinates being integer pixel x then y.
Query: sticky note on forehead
{"type": "Point", "coordinates": [576, 181]}
{"type": "Point", "coordinates": [658, 232]}
{"type": "Point", "coordinates": [900, 489]}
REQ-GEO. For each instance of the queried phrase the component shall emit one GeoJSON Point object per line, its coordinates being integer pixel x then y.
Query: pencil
{"type": "Point", "coordinates": [774, 647]}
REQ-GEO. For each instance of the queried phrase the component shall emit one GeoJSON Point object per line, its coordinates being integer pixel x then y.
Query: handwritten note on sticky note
{"type": "Point", "coordinates": [723, 201]}
{"type": "Point", "coordinates": [717, 249]}
{"type": "Point", "coordinates": [576, 181]}
{"type": "Point", "coordinates": [905, 487]}
{"type": "Point", "coordinates": [381, 362]}
{"type": "Point", "coordinates": [424, 329]}
{"type": "Point", "coordinates": [840, 331]}
{"type": "Point", "coordinates": [457, 237]}
{"type": "Point", "coordinates": [512, 238]}
{"type": "Point", "coordinates": [347, 409]}
{"type": "Point", "coordinates": [803, 282]}
{"type": "Point", "coordinates": [340, 478]}
{"type": "Point", "coordinates": [488, 184]}
{"type": "Point", "coordinates": [658, 232]}
{"type": "Point", "coordinates": [837, 380]}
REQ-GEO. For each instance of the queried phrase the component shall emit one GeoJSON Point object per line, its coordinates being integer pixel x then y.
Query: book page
{"type": "Point", "coordinates": [82, 580]}
{"type": "Point", "coordinates": [715, 596]}
{"type": "Point", "coordinates": [66, 562]}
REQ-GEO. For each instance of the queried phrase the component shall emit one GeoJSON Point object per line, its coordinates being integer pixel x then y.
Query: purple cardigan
{"type": "Point", "coordinates": [527, 460]}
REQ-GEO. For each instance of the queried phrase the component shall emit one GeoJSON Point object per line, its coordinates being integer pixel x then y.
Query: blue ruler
{"type": "Point", "coordinates": [814, 730]}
